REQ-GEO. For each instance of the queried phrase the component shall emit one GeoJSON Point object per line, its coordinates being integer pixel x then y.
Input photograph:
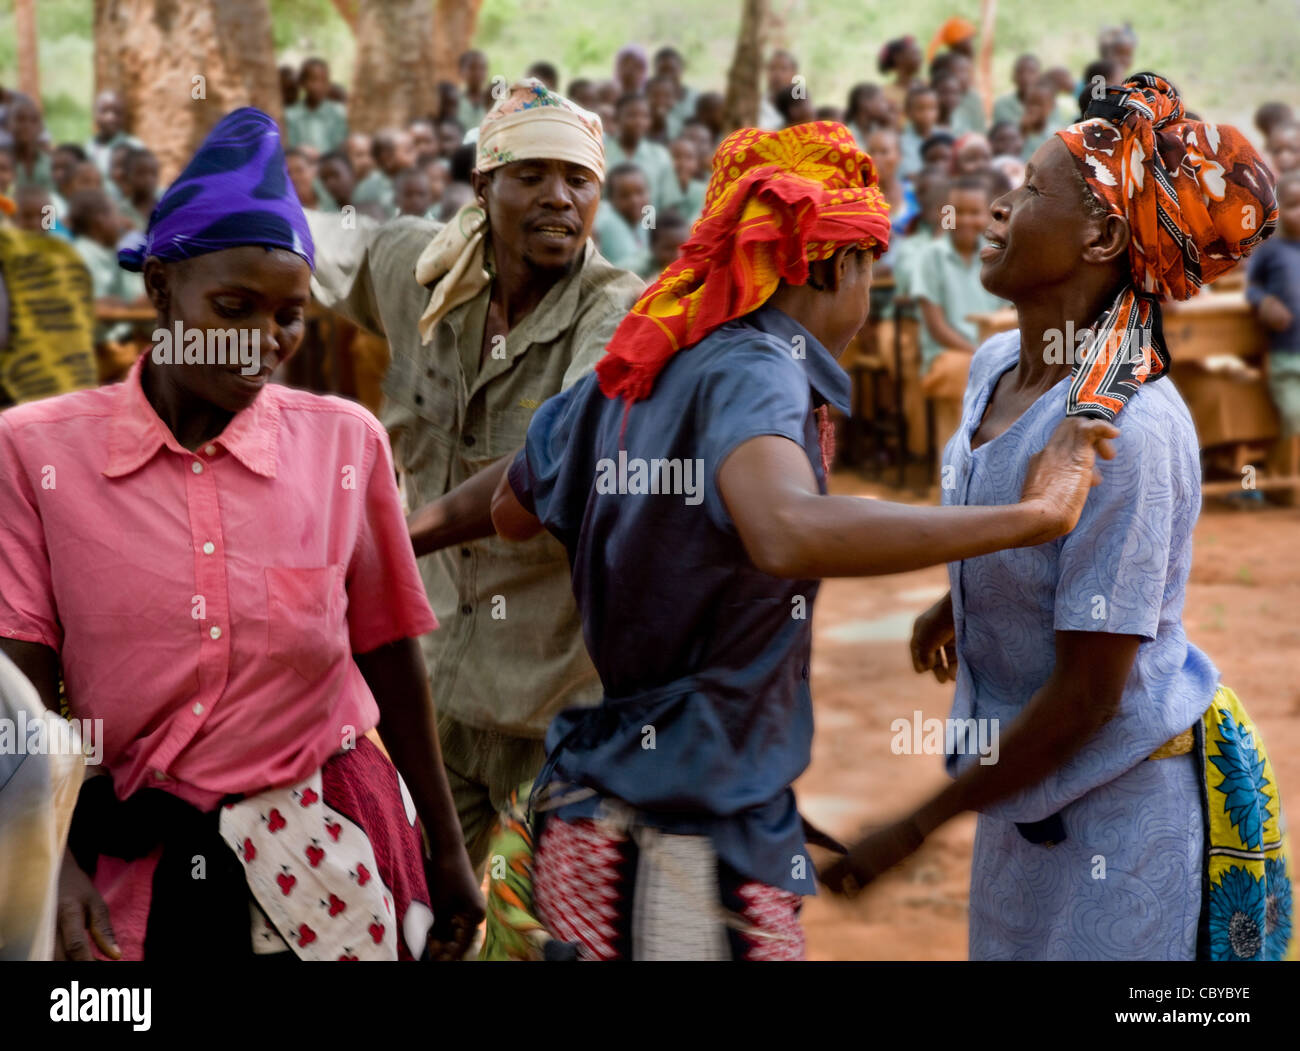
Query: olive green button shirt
{"type": "Point", "coordinates": [509, 652]}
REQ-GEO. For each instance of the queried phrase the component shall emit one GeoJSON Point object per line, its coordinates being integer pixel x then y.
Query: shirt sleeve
{"type": "Point", "coordinates": [595, 328]}
{"type": "Point", "coordinates": [763, 391]}
{"type": "Point", "coordinates": [386, 598]}
{"type": "Point", "coordinates": [355, 257]}
{"type": "Point", "coordinates": [27, 608]}
{"type": "Point", "coordinates": [1113, 566]}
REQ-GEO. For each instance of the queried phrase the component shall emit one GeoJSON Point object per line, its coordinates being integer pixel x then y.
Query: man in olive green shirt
{"type": "Point", "coordinates": [487, 317]}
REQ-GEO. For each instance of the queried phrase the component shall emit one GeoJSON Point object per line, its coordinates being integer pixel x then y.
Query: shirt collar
{"type": "Point", "coordinates": [830, 382]}
{"type": "Point", "coordinates": [135, 432]}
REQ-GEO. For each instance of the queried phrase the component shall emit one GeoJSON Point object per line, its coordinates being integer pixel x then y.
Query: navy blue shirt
{"type": "Point", "coordinates": [1274, 269]}
{"type": "Point", "coordinates": [707, 716]}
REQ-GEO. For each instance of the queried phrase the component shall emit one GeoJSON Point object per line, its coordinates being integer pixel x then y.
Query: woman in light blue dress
{"type": "Point", "coordinates": [1129, 810]}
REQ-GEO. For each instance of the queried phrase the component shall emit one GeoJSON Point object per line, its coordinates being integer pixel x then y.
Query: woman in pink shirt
{"type": "Point", "coordinates": [218, 570]}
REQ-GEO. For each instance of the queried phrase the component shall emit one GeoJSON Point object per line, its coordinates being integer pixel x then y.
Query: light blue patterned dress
{"type": "Point", "coordinates": [1125, 883]}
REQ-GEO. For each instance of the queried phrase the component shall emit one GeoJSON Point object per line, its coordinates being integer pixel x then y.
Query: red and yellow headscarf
{"type": "Point", "coordinates": [1198, 199]}
{"type": "Point", "coordinates": [777, 201]}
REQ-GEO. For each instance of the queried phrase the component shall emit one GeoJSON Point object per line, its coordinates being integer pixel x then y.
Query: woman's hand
{"type": "Point", "coordinates": [1059, 476]}
{"type": "Point", "coordinates": [81, 909]}
{"type": "Point", "coordinates": [934, 641]}
{"type": "Point", "coordinates": [871, 857]}
{"type": "Point", "coordinates": [457, 902]}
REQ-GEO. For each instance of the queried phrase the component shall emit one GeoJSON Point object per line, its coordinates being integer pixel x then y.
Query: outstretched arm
{"type": "Point", "coordinates": [790, 530]}
{"type": "Point", "coordinates": [1082, 695]}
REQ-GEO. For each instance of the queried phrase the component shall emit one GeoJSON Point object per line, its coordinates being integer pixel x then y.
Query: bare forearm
{"type": "Point", "coordinates": [408, 727]}
{"type": "Point", "coordinates": [845, 536]}
{"type": "Point", "coordinates": [464, 513]}
{"type": "Point", "coordinates": [1057, 723]}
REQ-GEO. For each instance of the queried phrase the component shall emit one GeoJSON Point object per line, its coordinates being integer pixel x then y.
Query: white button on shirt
{"type": "Point", "coordinates": [198, 708]}
{"type": "Point", "coordinates": [196, 467]}
{"type": "Point", "coordinates": [210, 450]}
{"type": "Point", "coordinates": [215, 632]}
{"type": "Point", "coordinates": [209, 547]}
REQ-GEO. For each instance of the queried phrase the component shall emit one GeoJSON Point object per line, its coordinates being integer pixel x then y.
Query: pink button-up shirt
{"type": "Point", "coordinates": [206, 605]}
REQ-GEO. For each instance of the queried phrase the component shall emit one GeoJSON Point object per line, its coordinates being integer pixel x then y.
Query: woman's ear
{"type": "Point", "coordinates": [1108, 239]}
{"type": "Point", "coordinates": [156, 285]}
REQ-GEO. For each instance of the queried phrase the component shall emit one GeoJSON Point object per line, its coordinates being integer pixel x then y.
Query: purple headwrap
{"type": "Point", "coordinates": [235, 191]}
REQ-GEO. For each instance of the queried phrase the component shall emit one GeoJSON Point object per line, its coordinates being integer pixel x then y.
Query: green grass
{"type": "Point", "coordinates": [1226, 59]}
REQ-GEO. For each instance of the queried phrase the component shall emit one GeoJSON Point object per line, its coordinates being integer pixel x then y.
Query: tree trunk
{"type": "Point", "coordinates": [181, 65]}
{"type": "Point", "coordinates": [29, 72]}
{"type": "Point", "coordinates": [391, 84]}
{"type": "Point", "coordinates": [456, 22]}
{"type": "Point", "coordinates": [745, 78]}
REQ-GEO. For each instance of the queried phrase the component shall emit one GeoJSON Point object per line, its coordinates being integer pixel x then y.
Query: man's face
{"type": "Point", "coordinates": [540, 211]}
{"type": "Point", "coordinates": [1038, 105]}
{"type": "Point", "coordinates": [1007, 141]}
{"type": "Point", "coordinates": [1024, 73]}
{"type": "Point", "coordinates": [85, 176]}
{"type": "Point", "coordinates": [631, 71]}
{"type": "Point", "coordinates": [337, 180]}
{"type": "Point", "coordinates": [961, 67]}
{"type": "Point", "coordinates": [686, 159]}
{"type": "Point", "coordinates": [6, 170]}
{"type": "Point", "coordinates": [144, 176]}
{"type": "Point", "coordinates": [25, 124]}
{"type": "Point", "coordinates": [938, 155]}
{"type": "Point", "coordinates": [414, 195]}
{"type": "Point", "coordinates": [780, 71]}
{"type": "Point", "coordinates": [403, 155]}
{"type": "Point", "coordinates": [438, 175]}
{"type": "Point", "coordinates": [108, 115]}
{"type": "Point", "coordinates": [474, 71]}
{"type": "Point", "coordinates": [948, 90]}
{"type": "Point", "coordinates": [923, 110]}
{"type": "Point", "coordinates": [31, 214]}
{"type": "Point", "coordinates": [316, 82]}
{"type": "Point", "coordinates": [449, 137]}
{"type": "Point", "coordinates": [62, 164]}
{"type": "Point", "coordinates": [662, 97]}
{"type": "Point", "coordinates": [301, 174]}
{"type": "Point", "coordinates": [670, 66]}
{"type": "Point", "coordinates": [359, 155]}
{"type": "Point", "coordinates": [665, 243]}
{"type": "Point", "coordinates": [423, 140]}
{"type": "Point", "coordinates": [1284, 145]}
{"type": "Point", "coordinates": [633, 120]}
{"type": "Point", "coordinates": [630, 196]}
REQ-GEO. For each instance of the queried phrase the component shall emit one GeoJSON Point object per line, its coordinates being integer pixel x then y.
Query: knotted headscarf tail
{"type": "Point", "coordinates": [235, 191]}
{"type": "Point", "coordinates": [1198, 199]}
{"type": "Point", "coordinates": [776, 202]}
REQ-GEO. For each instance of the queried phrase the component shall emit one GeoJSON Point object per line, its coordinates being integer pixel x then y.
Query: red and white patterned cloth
{"type": "Point", "coordinates": [584, 876]}
{"type": "Point", "coordinates": [334, 863]}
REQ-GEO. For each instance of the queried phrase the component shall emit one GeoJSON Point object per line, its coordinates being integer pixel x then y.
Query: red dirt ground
{"type": "Point", "coordinates": [1243, 609]}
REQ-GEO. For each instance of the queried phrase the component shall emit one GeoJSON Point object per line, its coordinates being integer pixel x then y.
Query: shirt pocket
{"type": "Point", "coordinates": [305, 615]}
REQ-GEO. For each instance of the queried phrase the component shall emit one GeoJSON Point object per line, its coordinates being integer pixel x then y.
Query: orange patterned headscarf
{"type": "Point", "coordinates": [1197, 198]}
{"type": "Point", "coordinates": [777, 202]}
